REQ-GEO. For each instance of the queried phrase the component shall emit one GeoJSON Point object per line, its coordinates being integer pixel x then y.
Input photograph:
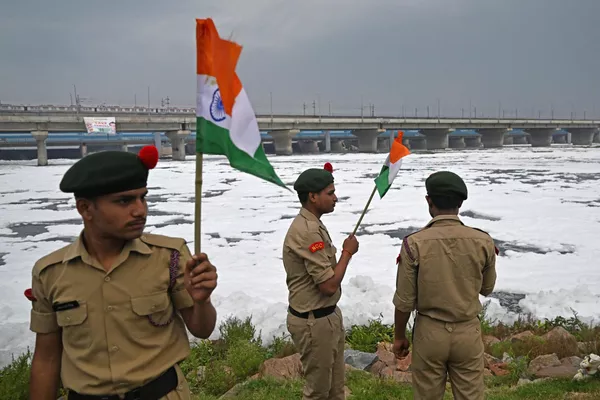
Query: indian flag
{"type": "Point", "coordinates": [392, 165]}
{"type": "Point", "coordinates": [225, 121]}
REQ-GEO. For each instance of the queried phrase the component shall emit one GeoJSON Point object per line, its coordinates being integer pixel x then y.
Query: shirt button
{"type": "Point", "coordinates": [107, 279]}
{"type": "Point", "coordinates": [114, 348]}
{"type": "Point", "coordinates": [68, 318]}
{"type": "Point", "coordinates": [109, 308]}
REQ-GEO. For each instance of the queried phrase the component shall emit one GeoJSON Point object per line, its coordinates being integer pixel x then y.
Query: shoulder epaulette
{"type": "Point", "coordinates": [48, 260]}
{"type": "Point", "coordinates": [169, 242]}
{"type": "Point", "coordinates": [481, 230]}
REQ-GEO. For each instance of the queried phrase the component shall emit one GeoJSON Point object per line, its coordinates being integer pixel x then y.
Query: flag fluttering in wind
{"type": "Point", "coordinates": [388, 172]}
{"type": "Point", "coordinates": [391, 166]}
{"type": "Point", "coordinates": [225, 121]}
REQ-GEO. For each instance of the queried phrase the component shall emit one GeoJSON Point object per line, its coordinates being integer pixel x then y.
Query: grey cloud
{"type": "Point", "coordinates": [525, 55]}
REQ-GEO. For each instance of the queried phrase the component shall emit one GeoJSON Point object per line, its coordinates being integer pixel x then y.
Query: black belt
{"type": "Point", "coordinates": [318, 313]}
{"type": "Point", "coordinates": [152, 390]}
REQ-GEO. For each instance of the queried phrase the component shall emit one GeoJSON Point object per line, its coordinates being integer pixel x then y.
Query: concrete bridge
{"type": "Point", "coordinates": [433, 133]}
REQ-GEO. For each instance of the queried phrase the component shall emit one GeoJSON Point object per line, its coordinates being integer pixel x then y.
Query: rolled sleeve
{"type": "Point", "coordinates": [43, 317]}
{"type": "Point", "coordinates": [316, 254]}
{"type": "Point", "coordinates": [405, 297]}
{"type": "Point", "coordinates": [179, 294]}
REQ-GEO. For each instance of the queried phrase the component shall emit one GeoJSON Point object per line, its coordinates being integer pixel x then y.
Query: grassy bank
{"type": "Point", "coordinates": [234, 361]}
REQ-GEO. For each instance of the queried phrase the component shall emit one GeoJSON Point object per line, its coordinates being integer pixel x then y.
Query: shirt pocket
{"type": "Point", "coordinates": [152, 311]}
{"type": "Point", "coordinates": [75, 327]}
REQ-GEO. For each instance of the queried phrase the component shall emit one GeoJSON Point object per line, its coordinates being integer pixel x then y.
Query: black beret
{"type": "Point", "coordinates": [313, 180]}
{"type": "Point", "coordinates": [108, 172]}
{"type": "Point", "coordinates": [446, 183]}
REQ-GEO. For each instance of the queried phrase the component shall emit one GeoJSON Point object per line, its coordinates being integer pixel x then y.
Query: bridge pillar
{"type": "Point", "coordinates": [582, 136]}
{"type": "Point", "coordinates": [473, 142]}
{"type": "Point", "coordinates": [83, 149]}
{"type": "Point", "coordinates": [177, 139]}
{"type": "Point", "coordinates": [508, 140]}
{"type": "Point", "coordinates": [559, 139]}
{"type": "Point", "coordinates": [520, 139]}
{"type": "Point", "coordinates": [383, 145]}
{"type": "Point", "coordinates": [42, 151]}
{"type": "Point", "coordinates": [597, 137]}
{"type": "Point", "coordinates": [417, 143]}
{"type": "Point", "coordinates": [327, 142]}
{"type": "Point", "coordinates": [337, 146]}
{"type": "Point", "coordinates": [367, 139]}
{"type": "Point", "coordinates": [158, 143]}
{"type": "Point", "coordinates": [308, 146]}
{"type": "Point", "coordinates": [125, 149]}
{"type": "Point", "coordinates": [492, 137]}
{"type": "Point", "coordinates": [540, 137]}
{"type": "Point", "coordinates": [456, 142]}
{"type": "Point", "coordinates": [436, 138]}
{"type": "Point", "coordinates": [283, 141]}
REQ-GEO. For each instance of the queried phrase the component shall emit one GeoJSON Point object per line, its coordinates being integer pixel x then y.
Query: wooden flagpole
{"type": "Point", "coordinates": [365, 210]}
{"type": "Point", "coordinates": [198, 204]}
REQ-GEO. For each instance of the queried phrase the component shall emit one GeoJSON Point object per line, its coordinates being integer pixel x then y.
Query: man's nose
{"type": "Point", "coordinates": [139, 208]}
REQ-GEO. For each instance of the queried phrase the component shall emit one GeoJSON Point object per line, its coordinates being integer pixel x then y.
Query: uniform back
{"type": "Point", "coordinates": [453, 262]}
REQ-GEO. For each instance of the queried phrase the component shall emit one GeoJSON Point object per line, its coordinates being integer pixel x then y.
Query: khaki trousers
{"type": "Point", "coordinates": [320, 342]}
{"type": "Point", "coordinates": [442, 349]}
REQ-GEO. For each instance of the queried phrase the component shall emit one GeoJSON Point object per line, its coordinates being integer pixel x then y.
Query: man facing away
{"type": "Point", "coordinates": [110, 310]}
{"type": "Point", "coordinates": [314, 278]}
{"type": "Point", "coordinates": [442, 269]}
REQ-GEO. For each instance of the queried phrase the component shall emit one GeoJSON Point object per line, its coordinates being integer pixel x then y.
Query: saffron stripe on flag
{"type": "Point", "coordinates": [225, 120]}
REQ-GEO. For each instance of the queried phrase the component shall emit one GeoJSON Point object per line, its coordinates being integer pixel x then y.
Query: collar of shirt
{"type": "Point", "coordinates": [445, 220]}
{"type": "Point", "coordinates": [77, 249]}
{"type": "Point", "coordinates": [309, 216]}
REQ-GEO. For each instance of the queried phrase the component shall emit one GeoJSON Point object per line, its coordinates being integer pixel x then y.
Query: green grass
{"type": "Point", "coordinates": [14, 378]}
{"type": "Point", "coordinates": [239, 353]}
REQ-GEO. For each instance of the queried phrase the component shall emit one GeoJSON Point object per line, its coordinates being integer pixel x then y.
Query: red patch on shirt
{"type": "Point", "coordinates": [29, 295]}
{"type": "Point", "coordinates": [316, 246]}
{"type": "Point", "coordinates": [398, 259]}
{"type": "Point", "coordinates": [496, 249]}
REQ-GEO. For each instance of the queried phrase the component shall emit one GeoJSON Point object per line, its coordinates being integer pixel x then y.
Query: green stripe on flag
{"type": "Point", "coordinates": [213, 139]}
{"type": "Point", "coordinates": [382, 182]}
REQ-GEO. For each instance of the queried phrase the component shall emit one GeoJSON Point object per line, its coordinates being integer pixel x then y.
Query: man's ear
{"type": "Point", "coordinates": [84, 207]}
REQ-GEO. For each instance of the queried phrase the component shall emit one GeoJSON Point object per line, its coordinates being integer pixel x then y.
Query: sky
{"type": "Point", "coordinates": [509, 57]}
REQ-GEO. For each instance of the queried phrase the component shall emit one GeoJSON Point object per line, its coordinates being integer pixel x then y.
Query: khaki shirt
{"type": "Point", "coordinates": [443, 268]}
{"type": "Point", "coordinates": [125, 331]}
{"type": "Point", "coordinates": [309, 260]}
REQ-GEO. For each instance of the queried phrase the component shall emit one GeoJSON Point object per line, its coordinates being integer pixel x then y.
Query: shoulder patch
{"type": "Point", "coordinates": [53, 258]}
{"type": "Point", "coordinates": [316, 246]}
{"type": "Point", "coordinates": [169, 242]}
{"type": "Point", "coordinates": [407, 248]}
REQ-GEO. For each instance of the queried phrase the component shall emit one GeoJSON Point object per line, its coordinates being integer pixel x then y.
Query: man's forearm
{"type": "Point", "coordinates": [202, 320]}
{"type": "Point", "coordinates": [45, 378]}
{"type": "Point", "coordinates": [332, 284]}
{"type": "Point", "coordinates": [400, 321]}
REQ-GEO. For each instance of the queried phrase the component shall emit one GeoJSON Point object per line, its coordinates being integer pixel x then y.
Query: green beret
{"type": "Point", "coordinates": [109, 172]}
{"type": "Point", "coordinates": [313, 180]}
{"type": "Point", "coordinates": [446, 183]}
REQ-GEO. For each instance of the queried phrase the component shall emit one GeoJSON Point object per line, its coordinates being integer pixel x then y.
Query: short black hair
{"type": "Point", "coordinates": [303, 197]}
{"type": "Point", "coordinates": [446, 202]}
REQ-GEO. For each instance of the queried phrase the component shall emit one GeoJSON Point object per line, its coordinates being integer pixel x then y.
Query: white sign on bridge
{"type": "Point", "coordinates": [105, 125]}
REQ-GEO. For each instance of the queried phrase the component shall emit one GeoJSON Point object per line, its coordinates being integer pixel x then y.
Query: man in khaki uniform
{"type": "Point", "coordinates": [111, 309]}
{"type": "Point", "coordinates": [442, 269]}
{"type": "Point", "coordinates": [314, 278]}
